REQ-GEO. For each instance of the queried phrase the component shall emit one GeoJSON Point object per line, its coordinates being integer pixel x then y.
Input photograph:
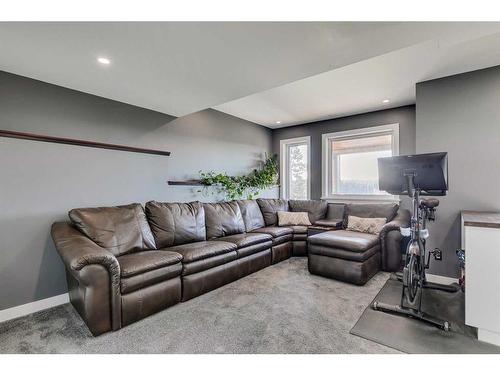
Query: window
{"type": "Point", "coordinates": [295, 168]}
{"type": "Point", "coordinates": [350, 167]}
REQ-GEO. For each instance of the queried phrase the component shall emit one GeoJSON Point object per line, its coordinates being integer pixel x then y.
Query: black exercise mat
{"type": "Point", "coordinates": [413, 336]}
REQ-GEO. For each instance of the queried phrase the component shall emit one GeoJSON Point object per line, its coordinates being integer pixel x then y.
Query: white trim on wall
{"type": "Point", "coordinates": [326, 167]}
{"type": "Point", "coordinates": [284, 163]}
{"type": "Point", "coordinates": [440, 279]}
{"type": "Point", "coordinates": [32, 307]}
{"type": "Point", "coordinates": [346, 198]}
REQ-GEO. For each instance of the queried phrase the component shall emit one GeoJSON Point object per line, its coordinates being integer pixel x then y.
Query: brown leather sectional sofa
{"type": "Point", "coordinates": [125, 263]}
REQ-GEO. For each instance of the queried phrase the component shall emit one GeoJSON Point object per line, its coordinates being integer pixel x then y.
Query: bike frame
{"type": "Point", "coordinates": [416, 248]}
{"type": "Point", "coordinates": [416, 245]}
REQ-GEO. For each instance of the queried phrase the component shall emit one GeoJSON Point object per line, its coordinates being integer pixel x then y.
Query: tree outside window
{"type": "Point", "coordinates": [298, 172]}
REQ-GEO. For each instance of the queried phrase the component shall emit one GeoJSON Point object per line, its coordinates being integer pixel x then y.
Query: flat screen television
{"type": "Point", "coordinates": [429, 171]}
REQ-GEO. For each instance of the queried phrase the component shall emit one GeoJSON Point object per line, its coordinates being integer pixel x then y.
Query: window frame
{"type": "Point", "coordinates": [326, 170]}
{"type": "Point", "coordinates": [284, 164]}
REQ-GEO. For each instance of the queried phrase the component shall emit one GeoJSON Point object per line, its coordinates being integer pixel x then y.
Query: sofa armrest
{"type": "Point", "coordinates": [390, 239]}
{"type": "Point", "coordinates": [77, 252]}
{"type": "Point", "coordinates": [402, 219]}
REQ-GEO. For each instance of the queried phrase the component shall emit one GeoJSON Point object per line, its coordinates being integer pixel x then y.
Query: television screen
{"type": "Point", "coordinates": [430, 173]}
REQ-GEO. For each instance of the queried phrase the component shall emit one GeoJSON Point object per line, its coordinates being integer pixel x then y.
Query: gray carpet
{"type": "Point", "coordinates": [281, 309]}
{"type": "Point", "coordinates": [415, 336]}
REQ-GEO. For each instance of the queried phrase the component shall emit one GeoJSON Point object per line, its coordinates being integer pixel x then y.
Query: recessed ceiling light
{"type": "Point", "coordinates": [278, 122]}
{"type": "Point", "coordinates": [104, 60]}
{"type": "Point", "coordinates": [385, 101]}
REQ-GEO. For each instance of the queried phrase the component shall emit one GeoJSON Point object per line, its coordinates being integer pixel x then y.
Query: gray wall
{"type": "Point", "coordinates": [40, 182]}
{"type": "Point", "coordinates": [461, 115]}
{"type": "Point", "coordinates": [405, 116]}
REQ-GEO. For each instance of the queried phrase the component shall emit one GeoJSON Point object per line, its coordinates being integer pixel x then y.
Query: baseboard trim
{"type": "Point", "coordinates": [440, 279]}
{"type": "Point", "coordinates": [488, 336]}
{"type": "Point", "coordinates": [32, 307]}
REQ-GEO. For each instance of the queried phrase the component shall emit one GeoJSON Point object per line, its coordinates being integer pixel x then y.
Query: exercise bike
{"type": "Point", "coordinates": [417, 259]}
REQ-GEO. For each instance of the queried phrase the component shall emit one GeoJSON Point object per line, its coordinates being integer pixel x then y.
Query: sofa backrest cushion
{"type": "Point", "coordinates": [335, 211]}
{"type": "Point", "coordinates": [223, 219]}
{"type": "Point", "coordinates": [176, 223]}
{"type": "Point", "coordinates": [252, 215]}
{"type": "Point", "coordinates": [375, 210]}
{"type": "Point", "coordinates": [316, 209]}
{"type": "Point", "coordinates": [269, 207]}
{"type": "Point", "coordinates": [120, 229]}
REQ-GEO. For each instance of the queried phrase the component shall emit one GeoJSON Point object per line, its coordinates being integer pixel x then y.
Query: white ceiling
{"type": "Point", "coordinates": [362, 86]}
{"type": "Point", "coordinates": [289, 71]}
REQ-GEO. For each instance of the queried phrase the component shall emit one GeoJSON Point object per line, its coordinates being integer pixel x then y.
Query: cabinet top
{"type": "Point", "coordinates": [481, 219]}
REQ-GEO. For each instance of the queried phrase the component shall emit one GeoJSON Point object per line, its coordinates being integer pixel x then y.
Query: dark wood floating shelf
{"type": "Point", "coordinates": [186, 183]}
{"type": "Point", "coordinates": [79, 142]}
{"type": "Point", "coordinates": [193, 183]}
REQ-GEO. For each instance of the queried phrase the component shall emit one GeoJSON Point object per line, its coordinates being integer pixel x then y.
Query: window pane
{"type": "Point", "coordinates": [354, 162]}
{"type": "Point", "coordinates": [363, 144]}
{"type": "Point", "coordinates": [297, 171]}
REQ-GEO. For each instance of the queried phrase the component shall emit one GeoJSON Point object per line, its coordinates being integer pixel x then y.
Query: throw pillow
{"type": "Point", "coordinates": [365, 224]}
{"type": "Point", "coordinates": [293, 218]}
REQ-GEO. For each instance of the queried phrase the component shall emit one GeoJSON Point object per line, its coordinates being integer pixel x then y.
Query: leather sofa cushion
{"type": "Point", "coordinates": [120, 229]}
{"type": "Point", "coordinates": [299, 229]}
{"type": "Point", "coordinates": [207, 263]}
{"type": "Point", "coordinates": [176, 223]}
{"type": "Point", "coordinates": [342, 239]}
{"type": "Point", "coordinates": [142, 280]}
{"type": "Point", "coordinates": [223, 219]}
{"type": "Point", "coordinates": [372, 210]}
{"type": "Point", "coordinates": [335, 211]}
{"type": "Point", "coordinates": [252, 249]}
{"type": "Point", "coordinates": [269, 207]}
{"type": "Point", "coordinates": [328, 223]}
{"type": "Point", "coordinates": [192, 252]}
{"type": "Point", "coordinates": [300, 237]}
{"type": "Point", "coordinates": [282, 239]}
{"type": "Point", "coordinates": [246, 239]}
{"type": "Point", "coordinates": [274, 231]}
{"type": "Point", "coordinates": [342, 253]}
{"type": "Point", "coordinates": [252, 215]}
{"type": "Point", "coordinates": [143, 261]}
{"type": "Point", "coordinates": [316, 209]}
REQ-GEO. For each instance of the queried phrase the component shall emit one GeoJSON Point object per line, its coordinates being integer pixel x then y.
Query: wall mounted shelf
{"type": "Point", "coordinates": [197, 183]}
{"type": "Point", "coordinates": [79, 142]}
{"type": "Point", "coordinates": [186, 183]}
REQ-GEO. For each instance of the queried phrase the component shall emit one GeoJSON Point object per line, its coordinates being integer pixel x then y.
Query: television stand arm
{"type": "Point", "coordinates": [410, 183]}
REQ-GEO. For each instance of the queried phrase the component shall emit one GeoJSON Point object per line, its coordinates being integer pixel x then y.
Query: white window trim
{"type": "Point", "coordinates": [283, 164]}
{"type": "Point", "coordinates": [326, 167]}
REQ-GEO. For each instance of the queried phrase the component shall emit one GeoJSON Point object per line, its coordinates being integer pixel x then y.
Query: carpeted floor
{"type": "Point", "coordinates": [281, 309]}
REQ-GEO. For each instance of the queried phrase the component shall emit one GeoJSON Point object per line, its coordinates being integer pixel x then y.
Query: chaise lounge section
{"type": "Point", "coordinates": [355, 257]}
{"type": "Point", "coordinates": [127, 262]}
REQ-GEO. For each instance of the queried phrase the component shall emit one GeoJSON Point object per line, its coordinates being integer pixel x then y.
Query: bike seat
{"type": "Point", "coordinates": [429, 202]}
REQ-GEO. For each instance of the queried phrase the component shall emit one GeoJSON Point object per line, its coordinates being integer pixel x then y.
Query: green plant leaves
{"type": "Point", "coordinates": [235, 187]}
